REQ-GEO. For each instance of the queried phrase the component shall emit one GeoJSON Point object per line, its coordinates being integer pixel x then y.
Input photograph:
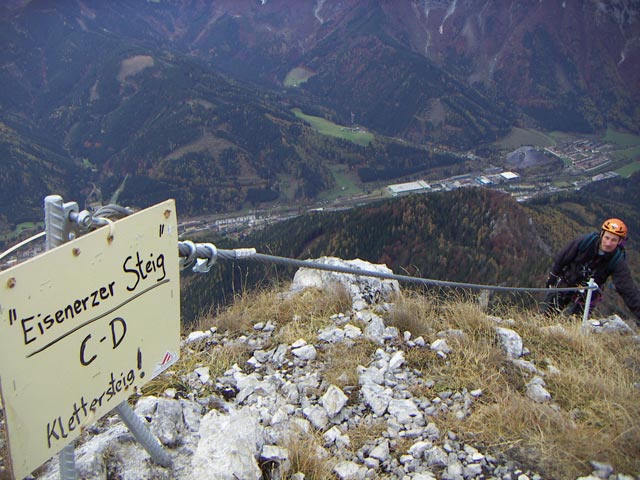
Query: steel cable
{"type": "Point", "coordinates": [194, 251]}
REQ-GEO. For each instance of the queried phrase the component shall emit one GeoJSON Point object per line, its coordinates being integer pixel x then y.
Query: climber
{"type": "Point", "coordinates": [598, 256]}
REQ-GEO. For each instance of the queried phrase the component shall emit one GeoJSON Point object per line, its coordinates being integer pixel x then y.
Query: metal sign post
{"type": "Point", "coordinates": [57, 229]}
{"type": "Point", "coordinates": [84, 326]}
{"type": "Point", "coordinates": [587, 303]}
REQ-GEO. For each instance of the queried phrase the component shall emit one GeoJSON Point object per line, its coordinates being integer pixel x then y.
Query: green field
{"type": "Point", "coordinates": [628, 151]}
{"type": "Point", "coordinates": [629, 169]}
{"type": "Point", "coordinates": [346, 184]}
{"type": "Point", "coordinates": [325, 127]}
{"type": "Point", "coordinates": [622, 139]}
{"type": "Point", "coordinates": [297, 76]}
{"type": "Point", "coordinates": [562, 184]}
{"type": "Point", "coordinates": [520, 136]}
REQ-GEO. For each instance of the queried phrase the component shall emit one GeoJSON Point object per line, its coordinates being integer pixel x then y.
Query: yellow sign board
{"type": "Point", "coordinates": [83, 326]}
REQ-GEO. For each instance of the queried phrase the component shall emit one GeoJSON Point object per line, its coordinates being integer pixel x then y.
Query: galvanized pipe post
{"type": "Point", "coordinates": [587, 303]}
{"type": "Point", "coordinates": [57, 229]}
{"type": "Point", "coordinates": [143, 435]}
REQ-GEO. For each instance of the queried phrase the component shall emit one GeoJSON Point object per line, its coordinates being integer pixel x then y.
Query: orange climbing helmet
{"type": "Point", "coordinates": [615, 226]}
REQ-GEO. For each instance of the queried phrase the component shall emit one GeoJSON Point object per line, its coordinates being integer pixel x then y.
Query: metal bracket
{"type": "Point", "coordinates": [58, 226]}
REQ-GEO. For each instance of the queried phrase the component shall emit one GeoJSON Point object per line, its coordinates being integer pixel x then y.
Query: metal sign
{"type": "Point", "coordinates": [84, 326]}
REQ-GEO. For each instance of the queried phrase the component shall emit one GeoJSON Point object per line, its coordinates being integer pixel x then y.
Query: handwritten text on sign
{"type": "Point", "coordinates": [83, 327]}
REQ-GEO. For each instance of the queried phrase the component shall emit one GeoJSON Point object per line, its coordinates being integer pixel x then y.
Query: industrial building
{"type": "Point", "coordinates": [410, 187]}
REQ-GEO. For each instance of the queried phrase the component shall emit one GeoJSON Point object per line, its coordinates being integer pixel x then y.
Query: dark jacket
{"type": "Point", "coordinates": [576, 267]}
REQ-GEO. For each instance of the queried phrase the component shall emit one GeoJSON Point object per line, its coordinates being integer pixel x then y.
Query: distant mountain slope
{"type": "Point", "coordinates": [187, 99]}
{"type": "Point", "coordinates": [30, 171]}
{"type": "Point", "coordinates": [466, 66]}
{"type": "Point", "coordinates": [469, 235]}
{"type": "Point", "coordinates": [110, 106]}
{"type": "Point", "coordinates": [561, 63]}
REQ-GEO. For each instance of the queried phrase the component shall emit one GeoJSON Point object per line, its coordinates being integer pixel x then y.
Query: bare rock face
{"type": "Point", "coordinates": [229, 446]}
{"type": "Point", "coordinates": [363, 290]}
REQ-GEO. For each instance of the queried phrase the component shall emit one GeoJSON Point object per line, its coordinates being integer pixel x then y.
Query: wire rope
{"type": "Point", "coordinates": [201, 256]}
{"type": "Point", "coordinates": [193, 251]}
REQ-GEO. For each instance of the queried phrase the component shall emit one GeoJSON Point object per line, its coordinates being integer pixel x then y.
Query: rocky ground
{"type": "Point", "coordinates": [266, 414]}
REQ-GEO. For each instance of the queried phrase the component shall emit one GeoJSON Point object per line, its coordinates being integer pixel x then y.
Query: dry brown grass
{"type": "Point", "coordinates": [296, 315]}
{"type": "Point", "coordinates": [342, 360]}
{"type": "Point", "coordinates": [477, 358]}
{"type": "Point", "coordinates": [218, 358]}
{"type": "Point", "coordinates": [595, 390]}
{"type": "Point", "coordinates": [304, 448]}
{"type": "Point", "coordinates": [414, 314]}
{"type": "Point", "coordinates": [594, 413]}
{"type": "Point", "coordinates": [366, 432]}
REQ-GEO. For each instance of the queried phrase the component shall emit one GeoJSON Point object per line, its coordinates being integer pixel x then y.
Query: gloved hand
{"type": "Point", "coordinates": [552, 280]}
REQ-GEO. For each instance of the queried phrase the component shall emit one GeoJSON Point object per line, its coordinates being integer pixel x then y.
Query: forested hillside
{"type": "Point", "coordinates": [133, 118]}
{"type": "Point", "coordinates": [469, 235]}
{"type": "Point", "coordinates": [561, 216]}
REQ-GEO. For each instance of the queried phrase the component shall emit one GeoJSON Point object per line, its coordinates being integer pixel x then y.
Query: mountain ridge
{"type": "Point", "coordinates": [178, 96]}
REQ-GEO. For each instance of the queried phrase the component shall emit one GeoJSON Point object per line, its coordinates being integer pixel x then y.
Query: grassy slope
{"type": "Point", "coordinates": [359, 137]}
{"type": "Point", "coordinates": [594, 413]}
